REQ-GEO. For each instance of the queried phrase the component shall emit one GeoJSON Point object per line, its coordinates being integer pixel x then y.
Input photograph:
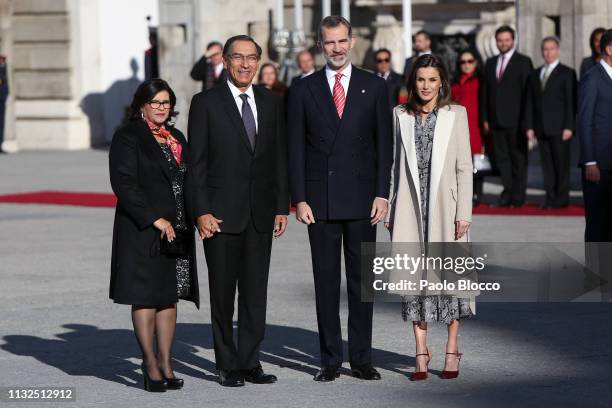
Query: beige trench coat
{"type": "Point", "coordinates": [450, 197]}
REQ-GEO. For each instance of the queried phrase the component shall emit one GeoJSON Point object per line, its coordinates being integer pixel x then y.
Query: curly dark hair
{"type": "Point", "coordinates": [146, 92]}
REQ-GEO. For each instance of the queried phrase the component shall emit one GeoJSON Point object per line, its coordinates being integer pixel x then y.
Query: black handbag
{"type": "Point", "coordinates": [179, 246]}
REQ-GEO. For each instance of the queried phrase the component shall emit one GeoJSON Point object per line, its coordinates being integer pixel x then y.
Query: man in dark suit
{"type": "Point", "coordinates": [550, 116]}
{"type": "Point", "coordinates": [502, 113]}
{"type": "Point", "coordinates": [340, 154]}
{"type": "Point", "coordinates": [306, 64]}
{"type": "Point", "coordinates": [595, 135]}
{"type": "Point", "coordinates": [238, 147]}
{"type": "Point", "coordinates": [210, 69]}
{"type": "Point", "coordinates": [422, 46]}
{"type": "Point", "coordinates": [4, 92]}
{"type": "Point", "coordinates": [392, 78]}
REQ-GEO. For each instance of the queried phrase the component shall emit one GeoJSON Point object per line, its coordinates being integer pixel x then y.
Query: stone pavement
{"type": "Point", "coordinates": [58, 327]}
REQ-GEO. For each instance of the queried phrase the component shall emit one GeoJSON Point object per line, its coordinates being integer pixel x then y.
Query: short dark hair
{"type": "Point", "coordinates": [332, 22]}
{"type": "Point", "coordinates": [423, 32]}
{"type": "Point", "coordinates": [228, 44]}
{"type": "Point", "coordinates": [505, 29]}
{"type": "Point", "coordinates": [381, 50]}
{"type": "Point", "coordinates": [414, 104]}
{"type": "Point", "coordinates": [595, 33]}
{"type": "Point", "coordinates": [145, 92]}
{"type": "Point", "coordinates": [606, 40]}
{"type": "Point", "coordinates": [299, 54]}
{"type": "Point", "coordinates": [552, 38]}
{"type": "Point", "coordinates": [212, 44]}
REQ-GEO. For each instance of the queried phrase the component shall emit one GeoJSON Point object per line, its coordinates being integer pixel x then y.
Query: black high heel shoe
{"type": "Point", "coordinates": [172, 383]}
{"type": "Point", "coordinates": [152, 385]}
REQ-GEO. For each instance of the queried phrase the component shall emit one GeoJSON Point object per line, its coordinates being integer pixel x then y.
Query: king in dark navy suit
{"type": "Point", "coordinates": [340, 155]}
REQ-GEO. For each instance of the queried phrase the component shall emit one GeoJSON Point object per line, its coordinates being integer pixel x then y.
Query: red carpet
{"type": "Point", "coordinates": [530, 209]}
{"type": "Point", "coordinates": [85, 199]}
{"type": "Point", "coordinates": [81, 199]}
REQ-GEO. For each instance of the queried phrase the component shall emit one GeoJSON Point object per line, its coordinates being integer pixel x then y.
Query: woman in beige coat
{"type": "Point", "coordinates": [431, 196]}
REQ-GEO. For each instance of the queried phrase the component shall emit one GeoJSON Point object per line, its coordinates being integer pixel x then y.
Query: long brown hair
{"type": "Point", "coordinates": [414, 103]}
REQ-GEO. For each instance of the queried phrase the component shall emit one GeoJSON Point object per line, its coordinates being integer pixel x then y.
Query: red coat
{"type": "Point", "coordinates": [465, 92]}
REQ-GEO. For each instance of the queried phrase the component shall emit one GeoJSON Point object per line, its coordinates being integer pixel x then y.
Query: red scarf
{"type": "Point", "coordinates": [175, 146]}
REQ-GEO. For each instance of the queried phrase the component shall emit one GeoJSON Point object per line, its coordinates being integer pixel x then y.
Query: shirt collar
{"type": "Point", "coordinates": [607, 67]}
{"type": "Point", "coordinates": [426, 52]}
{"type": "Point", "coordinates": [237, 92]}
{"type": "Point", "coordinates": [509, 54]}
{"type": "Point", "coordinates": [552, 66]}
{"type": "Point", "coordinates": [305, 74]}
{"type": "Point", "coordinates": [330, 73]}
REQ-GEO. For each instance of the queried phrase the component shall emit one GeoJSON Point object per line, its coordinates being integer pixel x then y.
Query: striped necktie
{"type": "Point", "coordinates": [339, 97]}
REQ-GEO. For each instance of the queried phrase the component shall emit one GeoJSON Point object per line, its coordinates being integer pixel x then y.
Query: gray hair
{"type": "Point", "coordinates": [332, 22]}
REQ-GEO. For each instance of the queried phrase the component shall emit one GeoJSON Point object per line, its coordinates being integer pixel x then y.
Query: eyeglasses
{"type": "Point", "coordinates": [158, 104]}
{"type": "Point", "coordinates": [464, 62]}
{"type": "Point", "coordinates": [381, 60]}
{"type": "Point", "coordinates": [251, 58]}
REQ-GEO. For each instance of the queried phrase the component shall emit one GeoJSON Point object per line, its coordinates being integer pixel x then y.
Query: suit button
{"type": "Point", "coordinates": [331, 172]}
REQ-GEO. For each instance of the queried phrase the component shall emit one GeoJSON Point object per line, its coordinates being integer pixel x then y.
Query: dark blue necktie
{"type": "Point", "coordinates": [248, 119]}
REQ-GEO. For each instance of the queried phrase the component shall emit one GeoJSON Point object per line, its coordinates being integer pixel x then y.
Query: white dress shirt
{"type": "Point", "coordinates": [218, 69]}
{"type": "Point", "coordinates": [344, 81]}
{"type": "Point", "coordinates": [548, 69]}
{"type": "Point", "coordinates": [607, 67]}
{"type": "Point", "coordinates": [507, 56]}
{"type": "Point", "coordinates": [251, 100]}
{"type": "Point", "coordinates": [305, 74]}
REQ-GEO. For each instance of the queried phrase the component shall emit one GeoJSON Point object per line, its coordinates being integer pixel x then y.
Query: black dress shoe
{"type": "Point", "coordinates": [230, 379]}
{"type": "Point", "coordinates": [257, 376]}
{"type": "Point", "coordinates": [327, 374]}
{"type": "Point", "coordinates": [365, 372]}
{"type": "Point", "coordinates": [546, 206]}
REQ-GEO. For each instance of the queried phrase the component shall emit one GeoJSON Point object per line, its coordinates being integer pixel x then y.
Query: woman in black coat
{"type": "Point", "coordinates": [148, 161]}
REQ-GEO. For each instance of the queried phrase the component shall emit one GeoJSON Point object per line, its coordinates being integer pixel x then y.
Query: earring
{"type": "Point", "coordinates": [142, 114]}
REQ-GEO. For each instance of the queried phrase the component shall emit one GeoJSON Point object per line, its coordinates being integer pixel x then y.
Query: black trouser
{"type": "Point", "coordinates": [598, 208]}
{"type": "Point", "coordinates": [510, 148]}
{"type": "Point", "coordinates": [242, 259]}
{"type": "Point", "coordinates": [2, 114]}
{"type": "Point", "coordinates": [326, 246]}
{"type": "Point", "coordinates": [555, 154]}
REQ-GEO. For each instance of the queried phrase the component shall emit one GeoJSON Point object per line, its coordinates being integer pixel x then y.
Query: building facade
{"type": "Point", "coordinates": [74, 64]}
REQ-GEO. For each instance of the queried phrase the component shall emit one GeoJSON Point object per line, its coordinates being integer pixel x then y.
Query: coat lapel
{"type": "Point", "coordinates": [234, 115]}
{"type": "Point", "coordinates": [352, 97]}
{"type": "Point", "coordinates": [323, 98]}
{"type": "Point", "coordinates": [442, 134]}
{"type": "Point", "coordinates": [406, 122]}
{"type": "Point", "coordinates": [152, 148]}
{"type": "Point", "coordinates": [262, 114]}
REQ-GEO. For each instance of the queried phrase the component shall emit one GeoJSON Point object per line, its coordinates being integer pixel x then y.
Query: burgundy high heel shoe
{"type": "Point", "coordinates": [421, 375]}
{"type": "Point", "coordinates": [449, 375]}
